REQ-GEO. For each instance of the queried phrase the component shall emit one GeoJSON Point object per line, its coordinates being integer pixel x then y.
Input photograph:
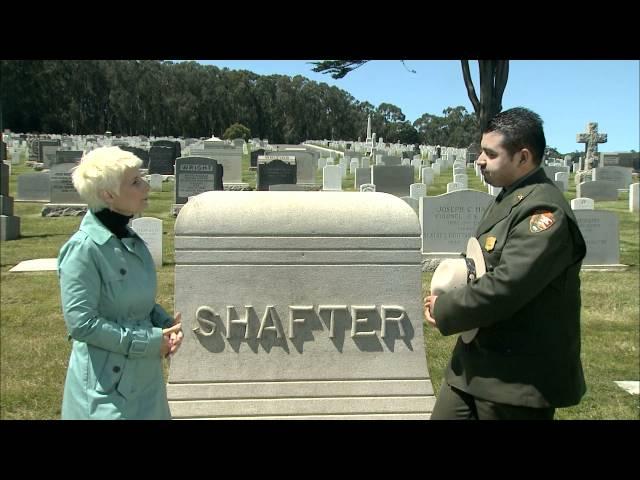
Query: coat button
{"type": "Point", "coordinates": [116, 369]}
{"type": "Point", "coordinates": [123, 271]}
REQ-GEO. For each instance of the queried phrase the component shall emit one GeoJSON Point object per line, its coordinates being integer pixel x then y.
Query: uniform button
{"type": "Point", "coordinates": [116, 369]}
{"type": "Point", "coordinates": [123, 271]}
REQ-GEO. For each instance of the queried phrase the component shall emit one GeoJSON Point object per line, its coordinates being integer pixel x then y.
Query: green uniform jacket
{"type": "Point", "coordinates": [108, 289]}
{"type": "Point", "coordinates": [527, 305]}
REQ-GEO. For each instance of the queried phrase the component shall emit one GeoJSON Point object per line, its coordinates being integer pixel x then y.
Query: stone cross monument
{"type": "Point", "coordinates": [592, 138]}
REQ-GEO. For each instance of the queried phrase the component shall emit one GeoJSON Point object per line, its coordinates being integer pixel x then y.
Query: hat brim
{"type": "Point", "coordinates": [474, 252]}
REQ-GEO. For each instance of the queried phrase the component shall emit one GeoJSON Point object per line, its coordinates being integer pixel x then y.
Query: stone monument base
{"type": "Point", "coordinates": [9, 227]}
{"type": "Point", "coordinates": [237, 187]}
{"type": "Point", "coordinates": [616, 267]}
{"type": "Point", "coordinates": [64, 210]}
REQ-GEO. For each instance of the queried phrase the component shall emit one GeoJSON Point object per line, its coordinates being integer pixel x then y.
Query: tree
{"type": "Point", "coordinates": [237, 130]}
{"type": "Point", "coordinates": [493, 80]}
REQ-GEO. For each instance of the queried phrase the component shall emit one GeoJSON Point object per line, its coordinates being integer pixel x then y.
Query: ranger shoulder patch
{"type": "Point", "coordinates": [540, 221]}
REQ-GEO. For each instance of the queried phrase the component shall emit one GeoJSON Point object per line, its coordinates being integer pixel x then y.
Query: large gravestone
{"type": "Point", "coordinates": [299, 305]}
{"type": "Point", "coordinates": [253, 161]}
{"type": "Point", "coordinates": [141, 153]}
{"type": "Point", "coordinates": [305, 164]}
{"type": "Point", "coordinates": [229, 157]}
{"type": "Point", "coordinates": [33, 187]}
{"type": "Point", "coordinates": [551, 171]}
{"type": "Point", "coordinates": [68, 156]}
{"type": "Point", "coordinates": [49, 155]}
{"type": "Point", "coordinates": [601, 233]}
{"type": "Point", "coordinates": [9, 223]}
{"type": "Point", "coordinates": [391, 161]}
{"type": "Point", "coordinates": [275, 170]}
{"type": "Point", "coordinates": [42, 153]}
{"type": "Point", "coordinates": [196, 175]}
{"type": "Point", "coordinates": [65, 200]}
{"type": "Point", "coordinates": [394, 180]}
{"type": "Point", "coordinates": [362, 176]}
{"type": "Point", "coordinates": [448, 220]}
{"type": "Point", "coordinates": [601, 190]}
{"type": "Point", "coordinates": [173, 144]}
{"type": "Point", "coordinates": [591, 138]}
{"type": "Point", "coordinates": [62, 189]}
{"type": "Point", "coordinates": [620, 176]}
{"type": "Point", "coordinates": [161, 160]}
{"type": "Point", "coordinates": [620, 159]}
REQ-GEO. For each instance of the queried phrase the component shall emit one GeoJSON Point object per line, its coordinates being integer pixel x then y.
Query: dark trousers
{"type": "Point", "coordinates": [454, 404]}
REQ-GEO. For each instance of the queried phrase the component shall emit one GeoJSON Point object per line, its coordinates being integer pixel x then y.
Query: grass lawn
{"type": "Point", "coordinates": [34, 350]}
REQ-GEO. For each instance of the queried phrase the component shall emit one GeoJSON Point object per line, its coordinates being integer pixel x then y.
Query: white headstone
{"type": "Point", "coordinates": [426, 175]}
{"type": "Point", "coordinates": [634, 197]}
{"type": "Point", "coordinates": [150, 229]}
{"type": "Point", "coordinates": [562, 178]}
{"type": "Point", "coordinates": [495, 191]}
{"type": "Point", "coordinates": [417, 190]}
{"type": "Point", "coordinates": [582, 203]}
{"type": "Point", "coordinates": [367, 187]}
{"type": "Point", "coordinates": [461, 178]}
{"type": "Point", "coordinates": [155, 182]}
{"type": "Point", "coordinates": [332, 178]}
{"type": "Point", "coordinates": [453, 186]}
{"type": "Point", "coordinates": [600, 230]}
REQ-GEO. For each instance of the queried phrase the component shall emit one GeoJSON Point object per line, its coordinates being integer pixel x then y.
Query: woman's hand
{"type": "Point", "coordinates": [169, 336]}
{"type": "Point", "coordinates": [176, 337]}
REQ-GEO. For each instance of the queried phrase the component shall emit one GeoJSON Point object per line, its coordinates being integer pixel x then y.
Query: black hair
{"type": "Point", "coordinates": [521, 128]}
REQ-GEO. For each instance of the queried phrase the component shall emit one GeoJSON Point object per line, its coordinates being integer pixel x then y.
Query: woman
{"type": "Point", "coordinates": [108, 289]}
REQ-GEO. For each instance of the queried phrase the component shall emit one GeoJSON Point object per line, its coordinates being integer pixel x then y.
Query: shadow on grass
{"type": "Point", "coordinates": [44, 235]}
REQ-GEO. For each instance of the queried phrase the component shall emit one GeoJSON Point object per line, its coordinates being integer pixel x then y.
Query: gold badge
{"type": "Point", "coordinates": [540, 221]}
{"type": "Point", "coordinates": [489, 243]}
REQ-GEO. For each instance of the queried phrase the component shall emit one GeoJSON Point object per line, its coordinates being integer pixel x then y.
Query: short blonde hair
{"type": "Point", "coordinates": [101, 170]}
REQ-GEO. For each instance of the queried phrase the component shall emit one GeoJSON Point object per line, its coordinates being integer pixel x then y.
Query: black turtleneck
{"type": "Point", "coordinates": [115, 222]}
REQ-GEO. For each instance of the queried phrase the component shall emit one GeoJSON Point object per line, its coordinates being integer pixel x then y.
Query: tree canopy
{"type": "Point", "coordinates": [493, 80]}
{"type": "Point", "coordinates": [162, 98]}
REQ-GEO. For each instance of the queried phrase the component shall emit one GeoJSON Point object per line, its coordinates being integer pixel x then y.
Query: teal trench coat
{"type": "Point", "coordinates": [108, 290]}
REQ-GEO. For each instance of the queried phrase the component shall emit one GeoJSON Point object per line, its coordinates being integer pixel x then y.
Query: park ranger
{"type": "Point", "coordinates": [524, 360]}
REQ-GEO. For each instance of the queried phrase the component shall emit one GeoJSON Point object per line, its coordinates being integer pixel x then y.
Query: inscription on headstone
{"type": "Point", "coordinates": [62, 189]}
{"type": "Point", "coordinates": [195, 175]}
{"type": "Point", "coordinates": [448, 220]}
{"type": "Point", "coordinates": [335, 329]}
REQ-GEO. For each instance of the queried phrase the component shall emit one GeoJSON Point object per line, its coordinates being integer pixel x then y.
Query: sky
{"type": "Point", "coordinates": [567, 94]}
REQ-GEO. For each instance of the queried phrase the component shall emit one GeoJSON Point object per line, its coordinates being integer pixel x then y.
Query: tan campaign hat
{"type": "Point", "coordinates": [454, 273]}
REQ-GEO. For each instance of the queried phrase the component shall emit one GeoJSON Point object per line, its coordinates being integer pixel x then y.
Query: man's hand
{"type": "Point", "coordinates": [429, 302]}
